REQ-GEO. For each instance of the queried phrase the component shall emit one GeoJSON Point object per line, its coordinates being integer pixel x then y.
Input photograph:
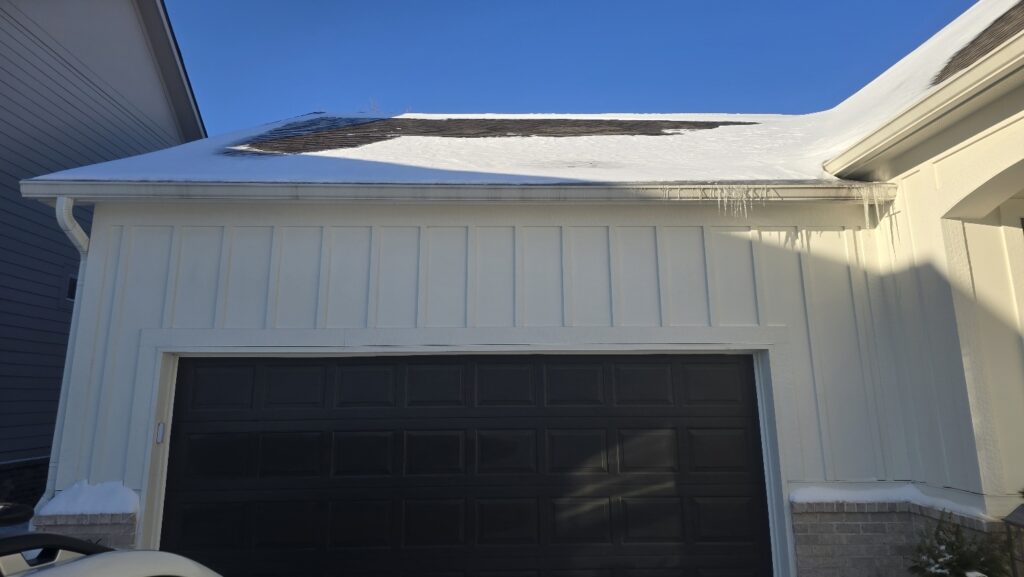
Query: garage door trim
{"type": "Point", "coordinates": [166, 354]}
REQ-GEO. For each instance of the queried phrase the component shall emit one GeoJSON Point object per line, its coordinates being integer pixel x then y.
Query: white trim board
{"type": "Point", "coordinates": [161, 349]}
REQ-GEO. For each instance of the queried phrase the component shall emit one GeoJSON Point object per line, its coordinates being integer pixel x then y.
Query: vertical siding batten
{"type": "Point", "coordinates": [171, 294]}
{"type": "Point", "coordinates": [472, 260]}
{"type": "Point", "coordinates": [349, 276]}
{"type": "Point", "coordinates": [779, 274]}
{"type": "Point", "coordinates": [733, 276]}
{"type": "Point", "coordinates": [891, 390]}
{"type": "Point", "coordinates": [820, 398]}
{"type": "Point", "coordinates": [936, 470]}
{"type": "Point", "coordinates": [226, 242]}
{"type": "Point", "coordinates": [709, 276]}
{"type": "Point", "coordinates": [564, 278]}
{"type": "Point", "coordinates": [373, 287]}
{"type": "Point", "coordinates": [665, 316]}
{"type": "Point", "coordinates": [687, 284]}
{"type": "Point", "coordinates": [298, 282]}
{"type": "Point", "coordinates": [250, 277]}
{"type": "Point", "coordinates": [141, 307]}
{"type": "Point", "coordinates": [607, 274]}
{"type": "Point", "coordinates": [323, 290]}
{"type": "Point", "coordinates": [103, 366]}
{"type": "Point", "coordinates": [838, 356]}
{"type": "Point", "coordinates": [520, 284]}
{"type": "Point", "coordinates": [496, 261]}
{"type": "Point", "coordinates": [446, 276]}
{"type": "Point", "coordinates": [568, 278]}
{"type": "Point", "coordinates": [93, 334]}
{"type": "Point", "coordinates": [195, 276]}
{"type": "Point", "coordinates": [639, 297]}
{"type": "Point", "coordinates": [865, 337]}
{"type": "Point", "coordinates": [587, 265]}
{"type": "Point", "coordinates": [398, 272]}
{"type": "Point", "coordinates": [543, 276]}
{"type": "Point", "coordinates": [422, 278]}
{"type": "Point", "coordinates": [273, 279]}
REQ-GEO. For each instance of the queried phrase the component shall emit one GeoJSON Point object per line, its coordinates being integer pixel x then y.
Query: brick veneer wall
{"type": "Point", "coordinates": [866, 539]}
{"type": "Point", "coordinates": [113, 530]}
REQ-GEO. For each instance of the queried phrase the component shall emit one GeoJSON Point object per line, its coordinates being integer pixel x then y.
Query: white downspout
{"type": "Point", "coordinates": [80, 241]}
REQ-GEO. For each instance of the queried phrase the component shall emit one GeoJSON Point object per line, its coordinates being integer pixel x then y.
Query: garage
{"type": "Point", "coordinates": [517, 465]}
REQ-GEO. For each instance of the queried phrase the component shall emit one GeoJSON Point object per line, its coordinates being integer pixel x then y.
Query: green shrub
{"type": "Point", "coordinates": [948, 551]}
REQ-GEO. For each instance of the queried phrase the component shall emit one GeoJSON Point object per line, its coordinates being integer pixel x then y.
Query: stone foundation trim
{"type": "Point", "coordinates": [966, 521]}
{"type": "Point", "coordinates": [868, 539]}
{"type": "Point", "coordinates": [113, 530]}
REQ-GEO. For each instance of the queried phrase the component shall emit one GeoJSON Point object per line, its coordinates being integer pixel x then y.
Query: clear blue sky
{"type": "Point", "coordinates": [254, 61]}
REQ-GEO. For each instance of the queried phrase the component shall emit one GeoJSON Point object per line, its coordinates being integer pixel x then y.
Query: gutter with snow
{"type": "Point", "coordinates": [830, 190]}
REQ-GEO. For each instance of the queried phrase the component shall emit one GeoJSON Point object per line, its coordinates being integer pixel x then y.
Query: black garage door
{"type": "Point", "coordinates": [573, 466]}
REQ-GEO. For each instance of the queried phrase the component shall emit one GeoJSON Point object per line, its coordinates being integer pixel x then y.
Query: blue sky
{"type": "Point", "coordinates": [254, 61]}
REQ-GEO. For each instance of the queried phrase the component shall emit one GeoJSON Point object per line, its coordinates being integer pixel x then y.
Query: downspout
{"type": "Point", "coordinates": [80, 240]}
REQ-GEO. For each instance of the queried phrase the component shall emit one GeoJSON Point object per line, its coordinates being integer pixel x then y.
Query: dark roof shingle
{"type": "Point", "coordinates": [329, 133]}
{"type": "Point", "coordinates": [1001, 30]}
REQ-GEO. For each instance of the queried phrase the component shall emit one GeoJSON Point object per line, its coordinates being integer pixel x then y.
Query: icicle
{"type": "Point", "coordinates": [878, 207]}
{"type": "Point", "coordinates": [865, 200]}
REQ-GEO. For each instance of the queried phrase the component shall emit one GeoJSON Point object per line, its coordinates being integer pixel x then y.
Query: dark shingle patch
{"type": "Point", "coordinates": [1004, 27]}
{"type": "Point", "coordinates": [328, 133]}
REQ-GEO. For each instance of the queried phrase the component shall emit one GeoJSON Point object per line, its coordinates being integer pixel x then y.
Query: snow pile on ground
{"type": "Point", "coordinates": [111, 497]}
{"type": "Point", "coordinates": [898, 493]}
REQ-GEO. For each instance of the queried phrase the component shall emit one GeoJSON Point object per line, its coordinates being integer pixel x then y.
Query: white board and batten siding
{"type": "Point", "coordinates": [552, 275]}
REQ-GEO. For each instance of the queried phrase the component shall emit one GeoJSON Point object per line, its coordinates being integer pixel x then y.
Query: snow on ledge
{"type": "Point", "coordinates": [111, 497]}
{"type": "Point", "coordinates": [907, 493]}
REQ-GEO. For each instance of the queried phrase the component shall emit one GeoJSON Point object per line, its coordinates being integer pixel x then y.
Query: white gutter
{"type": "Point", "coordinates": [102, 191]}
{"type": "Point", "coordinates": [80, 240]}
{"type": "Point", "coordinates": [67, 222]}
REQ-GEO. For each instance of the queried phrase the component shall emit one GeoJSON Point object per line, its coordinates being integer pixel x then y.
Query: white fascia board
{"type": "Point", "coordinates": [99, 191]}
{"type": "Point", "coordinates": [957, 96]}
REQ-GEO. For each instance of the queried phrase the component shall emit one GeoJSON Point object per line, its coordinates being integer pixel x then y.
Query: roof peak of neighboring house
{"type": "Point", "coordinates": [164, 44]}
{"type": "Point", "coordinates": [614, 149]}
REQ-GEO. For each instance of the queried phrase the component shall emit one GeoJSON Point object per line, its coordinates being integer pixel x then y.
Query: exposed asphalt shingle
{"type": "Point", "coordinates": [329, 133]}
{"type": "Point", "coordinates": [1001, 30]}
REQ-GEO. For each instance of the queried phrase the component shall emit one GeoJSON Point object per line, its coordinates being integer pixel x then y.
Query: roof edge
{"type": "Point", "coordinates": [728, 191]}
{"type": "Point", "coordinates": [157, 24]}
{"type": "Point", "coordinates": [958, 93]}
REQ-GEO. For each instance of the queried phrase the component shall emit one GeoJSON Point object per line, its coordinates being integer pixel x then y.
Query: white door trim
{"type": "Point", "coordinates": [160, 350]}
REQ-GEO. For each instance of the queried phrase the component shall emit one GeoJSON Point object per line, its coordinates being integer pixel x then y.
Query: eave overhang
{"type": "Point", "coordinates": [992, 76]}
{"type": "Point", "coordinates": [807, 191]}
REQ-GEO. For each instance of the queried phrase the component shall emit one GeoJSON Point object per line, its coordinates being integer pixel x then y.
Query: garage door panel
{"type": "Point", "coordinates": [366, 386]}
{"type": "Point", "coordinates": [505, 384]}
{"type": "Point", "coordinates": [221, 388]}
{"type": "Point", "coordinates": [568, 384]}
{"type": "Point", "coordinates": [487, 413]}
{"type": "Point", "coordinates": [719, 386]}
{"type": "Point", "coordinates": [692, 454]}
{"type": "Point", "coordinates": [435, 385]}
{"type": "Point", "coordinates": [364, 453]}
{"type": "Point", "coordinates": [496, 465]}
{"type": "Point", "coordinates": [643, 384]}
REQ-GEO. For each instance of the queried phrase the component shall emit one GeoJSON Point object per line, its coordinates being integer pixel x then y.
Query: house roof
{"type": "Point", "coordinates": [482, 149]}
{"type": "Point", "coordinates": [1001, 30]}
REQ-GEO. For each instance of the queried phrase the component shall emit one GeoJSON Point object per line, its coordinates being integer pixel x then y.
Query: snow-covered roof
{"type": "Point", "coordinates": [715, 148]}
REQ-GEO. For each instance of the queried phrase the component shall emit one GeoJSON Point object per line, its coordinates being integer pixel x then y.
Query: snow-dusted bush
{"type": "Point", "coordinates": [947, 551]}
